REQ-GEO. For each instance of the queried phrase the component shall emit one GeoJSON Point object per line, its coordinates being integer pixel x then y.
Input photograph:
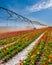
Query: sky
{"type": "Point", "coordinates": [36, 10]}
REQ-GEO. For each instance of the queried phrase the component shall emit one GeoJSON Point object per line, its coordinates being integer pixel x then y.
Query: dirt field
{"type": "Point", "coordinates": [10, 29]}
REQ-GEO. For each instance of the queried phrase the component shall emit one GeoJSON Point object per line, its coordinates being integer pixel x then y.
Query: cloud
{"type": "Point", "coordinates": [40, 6]}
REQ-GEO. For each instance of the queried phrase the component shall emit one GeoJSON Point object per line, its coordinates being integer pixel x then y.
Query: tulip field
{"type": "Point", "coordinates": [41, 54]}
{"type": "Point", "coordinates": [12, 43]}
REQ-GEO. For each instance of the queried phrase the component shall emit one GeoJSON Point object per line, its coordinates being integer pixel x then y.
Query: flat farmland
{"type": "Point", "coordinates": [13, 42]}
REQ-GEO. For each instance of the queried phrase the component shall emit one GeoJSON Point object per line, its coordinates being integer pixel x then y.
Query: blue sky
{"type": "Point", "coordinates": [38, 10]}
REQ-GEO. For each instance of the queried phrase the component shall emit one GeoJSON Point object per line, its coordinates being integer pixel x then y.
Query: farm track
{"type": "Point", "coordinates": [9, 44]}
{"type": "Point", "coordinates": [23, 54]}
{"type": "Point", "coordinates": [4, 46]}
